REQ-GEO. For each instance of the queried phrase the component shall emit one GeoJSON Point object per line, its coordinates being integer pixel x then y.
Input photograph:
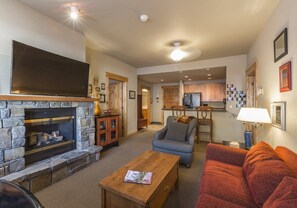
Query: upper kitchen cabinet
{"type": "Point", "coordinates": [209, 91]}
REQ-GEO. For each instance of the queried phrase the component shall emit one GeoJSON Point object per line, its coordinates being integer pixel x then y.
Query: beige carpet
{"type": "Point", "coordinates": [81, 191]}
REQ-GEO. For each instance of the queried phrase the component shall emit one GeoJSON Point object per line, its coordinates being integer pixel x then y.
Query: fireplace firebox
{"type": "Point", "coordinates": [49, 132]}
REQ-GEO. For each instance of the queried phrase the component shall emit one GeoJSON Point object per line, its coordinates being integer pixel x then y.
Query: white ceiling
{"type": "Point", "coordinates": [217, 28]}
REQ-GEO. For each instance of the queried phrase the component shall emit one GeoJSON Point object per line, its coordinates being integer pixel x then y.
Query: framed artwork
{"type": "Point", "coordinates": [90, 90]}
{"type": "Point", "coordinates": [281, 45]}
{"type": "Point", "coordinates": [97, 89]}
{"type": "Point", "coordinates": [102, 98]}
{"type": "Point", "coordinates": [131, 94]}
{"type": "Point", "coordinates": [285, 77]}
{"type": "Point", "coordinates": [278, 114]}
{"type": "Point", "coordinates": [102, 86]}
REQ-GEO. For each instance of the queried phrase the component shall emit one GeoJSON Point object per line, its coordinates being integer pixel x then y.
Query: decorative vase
{"type": "Point", "coordinates": [97, 110]}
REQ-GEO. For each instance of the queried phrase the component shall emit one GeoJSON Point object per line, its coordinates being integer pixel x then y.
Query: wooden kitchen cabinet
{"type": "Point", "coordinates": [209, 91]}
{"type": "Point", "coordinates": [107, 130]}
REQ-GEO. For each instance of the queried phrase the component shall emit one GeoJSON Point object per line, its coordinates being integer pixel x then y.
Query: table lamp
{"type": "Point", "coordinates": [253, 117]}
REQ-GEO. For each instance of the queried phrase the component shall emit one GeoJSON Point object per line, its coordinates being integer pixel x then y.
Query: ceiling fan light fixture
{"type": "Point", "coordinates": [177, 54]}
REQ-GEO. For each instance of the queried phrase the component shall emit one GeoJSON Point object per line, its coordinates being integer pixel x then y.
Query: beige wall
{"type": "Point", "coordinates": [99, 65]}
{"type": "Point", "coordinates": [268, 73]}
{"type": "Point", "coordinates": [21, 23]}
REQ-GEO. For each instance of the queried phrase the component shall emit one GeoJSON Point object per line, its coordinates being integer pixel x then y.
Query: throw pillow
{"type": "Point", "coordinates": [264, 170]}
{"type": "Point", "coordinates": [177, 131]}
{"type": "Point", "coordinates": [284, 196]}
{"type": "Point", "coordinates": [288, 157]}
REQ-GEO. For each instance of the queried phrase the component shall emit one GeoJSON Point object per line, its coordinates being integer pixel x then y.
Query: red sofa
{"type": "Point", "coordinates": [261, 177]}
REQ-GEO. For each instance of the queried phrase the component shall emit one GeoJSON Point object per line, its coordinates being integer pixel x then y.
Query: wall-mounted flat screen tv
{"type": "Point", "coordinates": [38, 72]}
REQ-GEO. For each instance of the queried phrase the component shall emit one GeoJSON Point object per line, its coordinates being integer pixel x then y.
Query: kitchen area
{"type": "Point", "coordinates": [207, 90]}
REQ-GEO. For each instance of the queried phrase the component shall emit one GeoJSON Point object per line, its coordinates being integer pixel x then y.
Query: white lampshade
{"type": "Point", "coordinates": [254, 115]}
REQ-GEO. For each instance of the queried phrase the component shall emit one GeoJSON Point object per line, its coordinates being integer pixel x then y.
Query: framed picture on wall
{"type": "Point", "coordinates": [278, 114]}
{"type": "Point", "coordinates": [102, 98]}
{"type": "Point", "coordinates": [285, 77]}
{"type": "Point", "coordinates": [280, 45]}
{"type": "Point", "coordinates": [132, 94]}
{"type": "Point", "coordinates": [90, 90]}
{"type": "Point", "coordinates": [102, 86]}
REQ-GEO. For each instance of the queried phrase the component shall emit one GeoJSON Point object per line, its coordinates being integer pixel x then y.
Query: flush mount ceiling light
{"type": "Point", "coordinates": [177, 54]}
{"type": "Point", "coordinates": [74, 13]}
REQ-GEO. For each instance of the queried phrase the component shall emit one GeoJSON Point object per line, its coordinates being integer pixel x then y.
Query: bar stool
{"type": "Point", "coordinates": [178, 110]}
{"type": "Point", "coordinates": [204, 120]}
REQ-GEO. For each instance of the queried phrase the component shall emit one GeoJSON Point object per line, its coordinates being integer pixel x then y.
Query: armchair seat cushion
{"type": "Point", "coordinates": [177, 131]}
{"type": "Point", "coordinates": [173, 145]}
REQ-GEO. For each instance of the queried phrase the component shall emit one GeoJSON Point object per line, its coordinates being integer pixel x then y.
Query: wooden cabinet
{"type": "Point", "coordinates": [107, 130]}
{"type": "Point", "coordinates": [209, 91]}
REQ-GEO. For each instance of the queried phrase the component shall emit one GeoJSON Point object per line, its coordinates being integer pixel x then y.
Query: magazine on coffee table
{"type": "Point", "coordinates": [133, 176]}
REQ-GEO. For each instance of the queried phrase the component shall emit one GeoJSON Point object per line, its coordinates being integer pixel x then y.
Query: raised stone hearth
{"type": "Point", "coordinates": [43, 173]}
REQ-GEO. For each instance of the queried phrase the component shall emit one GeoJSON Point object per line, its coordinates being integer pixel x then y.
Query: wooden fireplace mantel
{"type": "Point", "coordinates": [46, 98]}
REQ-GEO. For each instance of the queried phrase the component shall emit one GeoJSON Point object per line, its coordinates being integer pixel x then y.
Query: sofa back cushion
{"type": "Point", "coordinates": [284, 196]}
{"type": "Point", "coordinates": [177, 131]}
{"type": "Point", "coordinates": [264, 170]}
{"type": "Point", "coordinates": [289, 157]}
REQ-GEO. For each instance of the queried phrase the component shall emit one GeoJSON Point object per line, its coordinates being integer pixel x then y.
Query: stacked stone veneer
{"type": "Point", "coordinates": [12, 144]}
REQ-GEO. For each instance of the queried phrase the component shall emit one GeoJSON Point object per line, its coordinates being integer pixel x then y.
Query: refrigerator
{"type": "Point", "coordinates": [192, 100]}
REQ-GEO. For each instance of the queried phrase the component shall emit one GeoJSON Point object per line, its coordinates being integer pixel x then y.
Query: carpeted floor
{"type": "Point", "coordinates": [81, 190]}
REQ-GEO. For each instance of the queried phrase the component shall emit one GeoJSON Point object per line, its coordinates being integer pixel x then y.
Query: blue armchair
{"type": "Point", "coordinates": [177, 138]}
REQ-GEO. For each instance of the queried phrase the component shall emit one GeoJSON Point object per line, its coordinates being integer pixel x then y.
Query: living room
{"type": "Point", "coordinates": [22, 23]}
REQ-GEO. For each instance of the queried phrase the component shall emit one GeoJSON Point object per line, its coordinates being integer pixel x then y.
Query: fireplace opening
{"type": "Point", "coordinates": [49, 132]}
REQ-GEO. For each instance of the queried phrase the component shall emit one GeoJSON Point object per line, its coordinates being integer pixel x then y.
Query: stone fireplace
{"type": "Point", "coordinates": [52, 138]}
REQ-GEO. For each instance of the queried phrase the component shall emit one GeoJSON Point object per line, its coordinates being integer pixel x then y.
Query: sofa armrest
{"type": "Point", "coordinates": [160, 134]}
{"type": "Point", "coordinates": [225, 154]}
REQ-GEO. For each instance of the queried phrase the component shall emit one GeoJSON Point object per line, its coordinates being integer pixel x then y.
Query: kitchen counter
{"type": "Point", "coordinates": [192, 109]}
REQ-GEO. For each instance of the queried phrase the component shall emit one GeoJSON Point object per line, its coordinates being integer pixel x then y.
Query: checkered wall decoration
{"type": "Point", "coordinates": [233, 94]}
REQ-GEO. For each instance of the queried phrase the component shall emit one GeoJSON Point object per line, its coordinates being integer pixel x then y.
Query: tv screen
{"type": "Point", "coordinates": [38, 72]}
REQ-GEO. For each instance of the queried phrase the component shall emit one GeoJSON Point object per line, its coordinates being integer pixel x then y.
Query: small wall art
{"type": "Point", "coordinates": [278, 114]}
{"type": "Point", "coordinates": [90, 90]}
{"type": "Point", "coordinates": [102, 98]}
{"type": "Point", "coordinates": [285, 77]}
{"type": "Point", "coordinates": [280, 45]}
{"type": "Point", "coordinates": [102, 86]}
{"type": "Point", "coordinates": [131, 94]}
{"type": "Point", "coordinates": [233, 94]}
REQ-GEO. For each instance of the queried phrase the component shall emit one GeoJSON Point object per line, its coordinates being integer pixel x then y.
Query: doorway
{"type": "Point", "coordinates": [146, 103]}
{"type": "Point", "coordinates": [117, 99]}
{"type": "Point", "coordinates": [251, 88]}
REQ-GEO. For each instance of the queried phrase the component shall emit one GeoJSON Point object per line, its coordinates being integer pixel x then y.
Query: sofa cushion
{"type": "Point", "coordinates": [264, 170]}
{"type": "Point", "coordinates": [209, 201]}
{"type": "Point", "coordinates": [225, 181]}
{"type": "Point", "coordinates": [288, 157]}
{"type": "Point", "coordinates": [173, 145]}
{"type": "Point", "coordinates": [284, 196]}
{"type": "Point", "coordinates": [177, 131]}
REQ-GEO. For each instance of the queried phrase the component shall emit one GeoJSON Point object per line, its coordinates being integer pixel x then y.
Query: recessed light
{"type": "Point", "coordinates": [162, 80]}
{"type": "Point", "coordinates": [143, 18]}
{"type": "Point", "coordinates": [208, 75]}
{"type": "Point", "coordinates": [189, 79]}
{"type": "Point", "coordinates": [207, 69]}
{"type": "Point", "coordinates": [186, 76]}
{"type": "Point", "coordinates": [74, 12]}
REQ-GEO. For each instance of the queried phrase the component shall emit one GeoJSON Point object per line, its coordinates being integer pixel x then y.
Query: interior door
{"type": "Point", "coordinates": [146, 103]}
{"type": "Point", "coordinates": [116, 101]}
{"type": "Point", "coordinates": [170, 96]}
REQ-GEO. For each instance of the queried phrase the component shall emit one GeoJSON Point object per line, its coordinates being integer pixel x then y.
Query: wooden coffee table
{"type": "Point", "coordinates": [115, 193]}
